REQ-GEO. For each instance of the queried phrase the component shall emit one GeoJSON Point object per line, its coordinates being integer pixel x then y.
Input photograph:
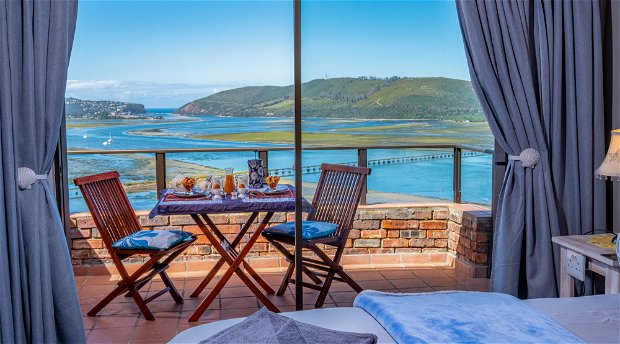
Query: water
{"type": "Point", "coordinates": [390, 182]}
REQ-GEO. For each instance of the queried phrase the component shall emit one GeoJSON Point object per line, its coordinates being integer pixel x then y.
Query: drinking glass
{"type": "Point", "coordinates": [229, 185]}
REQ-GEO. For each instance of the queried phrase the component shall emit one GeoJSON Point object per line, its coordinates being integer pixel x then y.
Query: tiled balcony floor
{"type": "Point", "coordinates": [121, 321]}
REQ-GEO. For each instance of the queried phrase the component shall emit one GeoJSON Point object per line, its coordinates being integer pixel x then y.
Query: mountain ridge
{"type": "Point", "coordinates": [362, 97]}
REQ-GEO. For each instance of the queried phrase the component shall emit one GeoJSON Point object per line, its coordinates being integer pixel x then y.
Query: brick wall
{"type": "Point", "coordinates": [380, 235]}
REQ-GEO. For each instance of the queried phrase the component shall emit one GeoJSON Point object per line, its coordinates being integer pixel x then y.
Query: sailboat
{"type": "Point", "coordinates": [110, 139]}
{"type": "Point", "coordinates": [85, 134]}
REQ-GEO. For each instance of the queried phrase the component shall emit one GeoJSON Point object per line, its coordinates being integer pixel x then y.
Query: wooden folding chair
{"type": "Point", "coordinates": [335, 201]}
{"type": "Point", "coordinates": [115, 219]}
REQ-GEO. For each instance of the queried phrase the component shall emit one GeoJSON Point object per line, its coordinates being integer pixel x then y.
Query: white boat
{"type": "Point", "coordinates": [110, 139]}
{"type": "Point", "coordinates": [85, 135]}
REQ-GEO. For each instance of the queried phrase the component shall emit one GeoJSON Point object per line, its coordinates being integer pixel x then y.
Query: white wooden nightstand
{"type": "Point", "coordinates": [578, 255]}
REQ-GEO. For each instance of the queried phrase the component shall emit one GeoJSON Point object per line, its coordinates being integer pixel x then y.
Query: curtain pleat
{"type": "Point", "coordinates": [38, 293]}
{"type": "Point", "coordinates": [536, 66]}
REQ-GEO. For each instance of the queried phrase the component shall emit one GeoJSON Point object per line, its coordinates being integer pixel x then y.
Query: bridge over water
{"type": "Point", "coordinates": [316, 169]}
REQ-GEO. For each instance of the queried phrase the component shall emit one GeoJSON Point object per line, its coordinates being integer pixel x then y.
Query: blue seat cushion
{"type": "Point", "coordinates": [152, 240]}
{"type": "Point", "coordinates": [309, 229]}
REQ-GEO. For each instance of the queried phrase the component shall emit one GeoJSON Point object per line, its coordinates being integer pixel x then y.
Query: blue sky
{"type": "Point", "coordinates": [167, 53]}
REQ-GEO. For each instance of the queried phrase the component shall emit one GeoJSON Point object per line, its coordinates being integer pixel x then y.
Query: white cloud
{"type": "Point", "coordinates": [147, 93]}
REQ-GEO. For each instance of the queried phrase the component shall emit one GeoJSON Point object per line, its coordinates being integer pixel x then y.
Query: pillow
{"type": "Point", "coordinates": [152, 240]}
{"type": "Point", "coordinates": [309, 229]}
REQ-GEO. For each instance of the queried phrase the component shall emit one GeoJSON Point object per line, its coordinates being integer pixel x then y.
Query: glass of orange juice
{"type": "Point", "coordinates": [229, 184]}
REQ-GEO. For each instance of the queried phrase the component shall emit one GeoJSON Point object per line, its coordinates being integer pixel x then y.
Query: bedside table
{"type": "Point", "coordinates": [577, 255]}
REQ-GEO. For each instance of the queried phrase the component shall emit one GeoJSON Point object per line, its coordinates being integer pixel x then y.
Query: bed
{"type": "Point", "coordinates": [592, 319]}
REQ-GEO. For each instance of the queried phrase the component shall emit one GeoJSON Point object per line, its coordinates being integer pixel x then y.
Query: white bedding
{"type": "Point", "coordinates": [595, 319]}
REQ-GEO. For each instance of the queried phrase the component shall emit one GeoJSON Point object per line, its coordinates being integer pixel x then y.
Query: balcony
{"type": "Point", "coordinates": [418, 246]}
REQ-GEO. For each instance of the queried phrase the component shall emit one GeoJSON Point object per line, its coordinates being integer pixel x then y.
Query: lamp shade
{"type": "Point", "coordinates": [610, 167]}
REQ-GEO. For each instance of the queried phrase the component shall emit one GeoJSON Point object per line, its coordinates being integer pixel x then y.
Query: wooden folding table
{"type": "Point", "coordinates": [201, 208]}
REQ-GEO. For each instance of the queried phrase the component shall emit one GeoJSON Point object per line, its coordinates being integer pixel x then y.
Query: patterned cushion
{"type": "Point", "coordinates": [309, 229]}
{"type": "Point", "coordinates": [152, 240]}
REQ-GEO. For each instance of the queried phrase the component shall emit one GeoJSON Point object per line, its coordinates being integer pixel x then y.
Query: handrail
{"type": "Point", "coordinates": [263, 153]}
{"type": "Point", "coordinates": [277, 148]}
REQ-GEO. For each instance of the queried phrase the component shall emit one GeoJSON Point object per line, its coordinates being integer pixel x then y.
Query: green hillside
{"type": "Point", "coordinates": [412, 98]}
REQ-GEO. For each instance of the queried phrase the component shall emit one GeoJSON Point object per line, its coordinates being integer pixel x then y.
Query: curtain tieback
{"type": "Point", "coordinates": [529, 157]}
{"type": "Point", "coordinates": [26, 177]}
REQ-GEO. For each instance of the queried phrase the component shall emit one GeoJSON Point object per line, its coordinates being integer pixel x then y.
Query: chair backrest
{"type": "Point", "coordinates": [337, 196]}
{"type": "Point", "coordinates": [108, 204]}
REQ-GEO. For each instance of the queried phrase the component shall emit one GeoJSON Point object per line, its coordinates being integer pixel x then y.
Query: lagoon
{"type": "Point", "coordinates": [387, 183]}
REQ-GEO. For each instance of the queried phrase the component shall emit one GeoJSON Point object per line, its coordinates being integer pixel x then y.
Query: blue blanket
{"type": "Point", "coordinates": [461, 317]}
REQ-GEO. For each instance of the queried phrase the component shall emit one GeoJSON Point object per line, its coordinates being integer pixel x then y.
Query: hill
{"type": "Point", "coordinates": [103, 109]}
{"type": "Point", "coordinates": [364, 97]}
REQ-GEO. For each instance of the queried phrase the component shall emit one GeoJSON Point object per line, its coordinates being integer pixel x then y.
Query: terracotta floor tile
{"type": "Point", "coordinates": [239, 302]}
{"type": "Point", "coordinates": [365, 275]}
{"type": "Point", "coordinates": [381, 284]}
{"type": "Point", "coordinates": [191, 304]}
{"type": "Point", "coordinates": [121, 308]}
{"type": "Point", "coordinates": [115, 321]}
{"type": "Point", "coordinates": [409, 283]}
{"type": "Point", "coordinates": [160, 317]}
{"type": "Point", "coordinates": [440, 281]}
{"type": "Point", "coordinates": [118, 335]}
{"type": "Point", "coordinates": [396, 274]}
{"type": "Point", "coordinates": [236, 292]}
{"type": "Point", "coordinates": [209, 316]}
{"type": "Point", "coordinates": [237, 313]}
{"type": "Point", "coordinates": [424, 273]}
{"type": "Point", "coordinates": [343, 296]}
{"type": "Point", "coordinates": [165, 306]}
{"type": "Point", "coordinates": [156, 330]}
{"type": "Point", "coordinates": [150, 341]}
{"type": "Point", "coordinates": [284, 300]}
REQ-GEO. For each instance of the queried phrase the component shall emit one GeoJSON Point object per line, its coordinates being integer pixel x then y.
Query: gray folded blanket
{"type": "Point", "coordinates": [267, 327]}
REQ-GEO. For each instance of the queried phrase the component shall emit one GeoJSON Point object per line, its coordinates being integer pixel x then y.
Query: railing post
{"type": "Point", "coordinates": [362, 160]}
{"type": "Point", "coordinates": [264, 156]}
{"type": "Point", "coordinates": [457, 174]}
{"type": "Point", "coordinates": [160, 172]}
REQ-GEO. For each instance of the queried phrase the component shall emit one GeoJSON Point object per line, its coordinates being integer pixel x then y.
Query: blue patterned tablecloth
{"type": "Point", "coordinates": [218, 206]}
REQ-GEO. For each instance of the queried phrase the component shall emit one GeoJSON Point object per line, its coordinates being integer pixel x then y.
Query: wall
{"type": "Point", "coordinates": [421, 234]}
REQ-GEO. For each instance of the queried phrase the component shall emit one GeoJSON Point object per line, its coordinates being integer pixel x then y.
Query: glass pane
{"type": "Point", "coordinates": [393, 74]}
{"type": "Point", "coordinates": [166, 74]}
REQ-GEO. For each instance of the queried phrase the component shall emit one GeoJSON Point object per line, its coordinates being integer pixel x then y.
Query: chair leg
{"type": "Point", "coordinates": [116, 292]}
{"type": "Point", "coordinates": [172, 289]}
{"type": "Point", "coordinates": [326, 285]}
{"type": "Point", "coordinates": [287, 275]}
{"type": "Point", "coordinates": [141, 304]}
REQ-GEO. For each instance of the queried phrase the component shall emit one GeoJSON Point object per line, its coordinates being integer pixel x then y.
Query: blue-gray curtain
{"type": "Point", "coordinates": [536, 67]}
{"type": "Point", "coordinates": [39, 302]}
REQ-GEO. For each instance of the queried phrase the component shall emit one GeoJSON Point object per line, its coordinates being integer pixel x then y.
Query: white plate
{"type": "Point", "coordinates": [188, 194]}
{"type": "Point", "coordinates": [278, 190]}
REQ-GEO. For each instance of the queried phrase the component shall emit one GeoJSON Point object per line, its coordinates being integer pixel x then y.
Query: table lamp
{"type": "Point", "coordinates": [610, 168]}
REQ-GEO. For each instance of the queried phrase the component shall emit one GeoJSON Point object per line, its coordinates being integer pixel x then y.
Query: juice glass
{"type": "Point", "coordinates": [229, 185]}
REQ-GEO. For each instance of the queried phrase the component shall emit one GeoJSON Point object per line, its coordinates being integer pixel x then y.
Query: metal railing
{"type": "Point", "coordinates": [263, 153]}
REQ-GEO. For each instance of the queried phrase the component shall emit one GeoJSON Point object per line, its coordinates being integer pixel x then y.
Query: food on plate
{"type": "Point", "coordinates": [188, 183]}
{"type": "Point", "coordinates": [272, 181]}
